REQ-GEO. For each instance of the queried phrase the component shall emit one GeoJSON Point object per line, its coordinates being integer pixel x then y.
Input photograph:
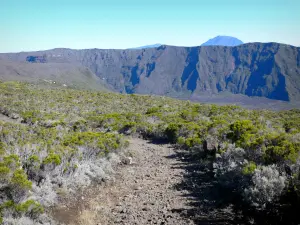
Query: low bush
{"type": "Point", "coordinates": [267, 185]}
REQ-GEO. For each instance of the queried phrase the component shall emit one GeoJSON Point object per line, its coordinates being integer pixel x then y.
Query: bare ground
{"type": "Point", "coordinates": [162, 185]}
{"type": "Point", "coordinates": [143, 192]}
{"type": "Point", "coordinates": [5, 118]}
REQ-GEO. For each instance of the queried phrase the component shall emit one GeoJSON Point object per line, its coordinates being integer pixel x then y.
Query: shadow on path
{"type": "Point", "coordinates": [211, 204]}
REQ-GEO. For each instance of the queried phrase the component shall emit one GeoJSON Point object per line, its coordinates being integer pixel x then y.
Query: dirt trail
{"type": "Point", "coordinates": [142, 193]}
{"type": "Point", "coordinates": [5, 118]}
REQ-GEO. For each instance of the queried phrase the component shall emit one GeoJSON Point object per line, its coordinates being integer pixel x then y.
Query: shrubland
{"type": "Point", "coordinates": [62, 134]}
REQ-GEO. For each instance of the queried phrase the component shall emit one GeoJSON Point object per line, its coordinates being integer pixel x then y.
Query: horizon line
{"type": "Point", "coordinates": [139, 48]}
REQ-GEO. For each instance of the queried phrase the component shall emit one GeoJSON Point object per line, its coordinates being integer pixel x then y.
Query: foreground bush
{"type": "Point", "coordinates": [267, 185]}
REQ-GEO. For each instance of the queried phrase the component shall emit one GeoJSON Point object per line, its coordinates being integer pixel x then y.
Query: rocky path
{"type": "Point", "coordinates": [5, 118]}
{"type": "Point", "coordinates": [143, 192]}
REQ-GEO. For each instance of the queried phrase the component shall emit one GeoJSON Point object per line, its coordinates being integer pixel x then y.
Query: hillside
{"type": "Point", "coordinates": [64, 156]}
{"type": "Point", "coordinates": [223, 41]}
{"type": "Point", "coordinates": [51, 74]}
{"type": "Point", "coordinates": [268, 70]}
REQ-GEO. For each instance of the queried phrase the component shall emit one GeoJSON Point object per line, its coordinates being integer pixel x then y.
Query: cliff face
{"type": "Point", "coordinates": [270, 70]}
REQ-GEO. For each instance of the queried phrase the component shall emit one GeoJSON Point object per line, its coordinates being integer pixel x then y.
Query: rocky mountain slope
{"type": "Point", "coordinates": [53, 74]}
{"type": "Point", "coordinates": [268, 70]}
{"type": "Point", "coordinates": [223, 41]}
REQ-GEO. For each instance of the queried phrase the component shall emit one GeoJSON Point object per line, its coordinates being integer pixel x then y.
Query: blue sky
{"type": "Point", "coordinates": [43, 24]}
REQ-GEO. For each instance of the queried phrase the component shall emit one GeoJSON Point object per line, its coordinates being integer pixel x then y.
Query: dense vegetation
{"type": "Point", "coordinates": [58, 134]}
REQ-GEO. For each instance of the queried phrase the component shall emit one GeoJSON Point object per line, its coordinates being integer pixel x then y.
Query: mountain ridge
{"type": "Point", "coordinates": [122, 49]}
{"type": "Point", "coordinates": [268, 70]}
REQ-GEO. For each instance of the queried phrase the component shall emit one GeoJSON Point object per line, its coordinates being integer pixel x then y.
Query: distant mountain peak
{"type": "Point", "coordinates": [223, 41]}
{"type": "Point", "coordinates": [148, 46]}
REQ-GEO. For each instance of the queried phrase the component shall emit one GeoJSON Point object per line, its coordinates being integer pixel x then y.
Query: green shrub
{"type": "Point", "coordinates": [30, 208]}
{"type": "Point", "coordinates": [30, 116]}
{"type": "Point", "coordinates": [33, 158]}
{"type": "Point", "coordinates": [249, 168]}
{"type": "Point", "coordinates": [95, 140]}
{"type": "Point", "coordinates": [280, 148]}
{"type": "Point", "coordinates": [52, 159]}
{"type": "Point", "coordinates": [189, 115]}
{"type": "Point", "coordinates": [11, 161]}
{"type": "Point", "coordinates": [192, 141]}
{"type": "Point", "coordinates": [4, 170]}
{"type": "Point", "coordinates": [152, 110]}
{"type": "Point", "coordinates": [181, 141]}
{"type": "Point", "coordinates": [19, 178]}
{"type": "Point", "coordinates": [172, 132]}
{"type": "Point", "coordinates": [242, 132]}
{"type": "Point", "coordinates": [2, 150]}
{"type": "Point", "coordinates": [80, 125]}
{"type": "Point", "coordinates": [4, 173]}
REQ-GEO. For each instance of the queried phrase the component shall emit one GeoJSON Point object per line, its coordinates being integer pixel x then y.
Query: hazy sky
{"type": "Point", "coordinates": [43, 24]}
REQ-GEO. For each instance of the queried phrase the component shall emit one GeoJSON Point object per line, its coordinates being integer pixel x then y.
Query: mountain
{"type": "Point", "coordinates": [223, 41]}
{"type": "Point", "coordinates": [269, 70]}
{"type": "Point", "coordinates": [52, 73]}
{"type": "Point", "coordinates": [148, 46]}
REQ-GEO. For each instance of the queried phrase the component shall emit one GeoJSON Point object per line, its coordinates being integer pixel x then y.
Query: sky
{"type": "Point", "coordinates": [30, 25]}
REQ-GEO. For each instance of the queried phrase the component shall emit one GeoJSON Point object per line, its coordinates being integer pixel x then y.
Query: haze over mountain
{"type": "Point", "coordinates": [223, 41]}
{"type": "Point", "coordinates": [268, 70]}
{"type": "Point", "coordinates": [147, 46]}
{"type": "Point", "coordinates": [218, 40]}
